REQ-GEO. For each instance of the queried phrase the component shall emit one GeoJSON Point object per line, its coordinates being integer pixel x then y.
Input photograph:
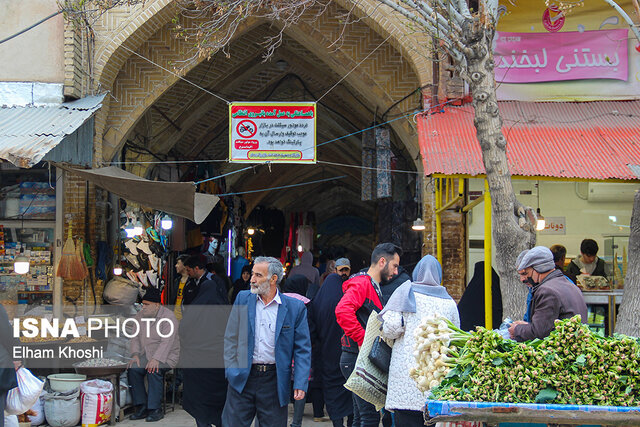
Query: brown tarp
{"type": "Point", "coordinates": [177, 198]}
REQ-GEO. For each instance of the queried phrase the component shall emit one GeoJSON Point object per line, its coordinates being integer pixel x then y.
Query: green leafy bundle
{"type": "Point", "coordinates": [570, 366]}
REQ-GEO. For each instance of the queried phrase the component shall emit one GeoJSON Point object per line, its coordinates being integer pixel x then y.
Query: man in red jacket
{"type": "Point", "coordinates": [362, 295]}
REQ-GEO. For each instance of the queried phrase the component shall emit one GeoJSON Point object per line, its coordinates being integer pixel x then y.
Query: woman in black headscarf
{"type": "Point", "coordinates": [471, 305]}
{"type": "Point", "coordinates": [201, 354]}
{"type": "Point", "coordinates": [326, 332]}
{"type": "Point", "coordinates": [242, 284]}
{"type": "Point", "coordinates": [296, 284]}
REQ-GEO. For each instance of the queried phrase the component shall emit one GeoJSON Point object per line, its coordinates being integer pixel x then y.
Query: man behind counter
{"type": "Point", "coordinates": [588, 261]}
{"type": "Point", "coordinates": [553, 296]}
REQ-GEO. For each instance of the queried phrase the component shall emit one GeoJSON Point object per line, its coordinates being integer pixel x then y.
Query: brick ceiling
{"type": "Point", "coordinates": [200, 123]}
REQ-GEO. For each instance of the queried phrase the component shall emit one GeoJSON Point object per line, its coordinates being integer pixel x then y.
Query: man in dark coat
{"type": "Point", "coordinates": [394, 283]}
{"type": "Point", "coordinates": [326, 332]}
{"type": "Point", "coordinates": [202, 344]}
{"type": "Point", "coordinates": [554, 297]}
{"type": "Point", "coordinates": [197, 271]}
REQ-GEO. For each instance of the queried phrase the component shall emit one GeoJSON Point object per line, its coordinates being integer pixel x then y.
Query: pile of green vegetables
{"type": "Point", "coordinates": [571, 366]}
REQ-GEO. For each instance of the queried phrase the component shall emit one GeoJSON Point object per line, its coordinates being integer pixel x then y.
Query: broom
{"type": "Point", "coordinates": [79, 253]}
{"type": "Point", "coordinates": [70, 266]}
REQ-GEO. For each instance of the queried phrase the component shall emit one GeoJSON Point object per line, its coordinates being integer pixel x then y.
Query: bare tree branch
{"type": "Point", "coordinates": [463, 9]}
{"type": "Point", "coordinates": [428, 26]}
{"type": "Point", "coordinates": [454, 15]}
{"type": "Point", "coordinates": [626, 17]}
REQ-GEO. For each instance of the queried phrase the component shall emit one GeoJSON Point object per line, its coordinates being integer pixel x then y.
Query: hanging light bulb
{"type": "Point", "coordinates": [137, 229]}
{"type": "Point", "coordinates": [540, 222]}
{"type": "Point", "coordinates": [300, 248]}
{"type": "Point", "coordinates": [166, 223]}
{"type": "Point", "coordinates": [21, 263]}
{"type": "Point", "coordinates": [418, 225]}
{"type": "Point", "coordinates": [130, 230]}
{"type": "Point", "coordinates": [250, 231]}
{"type": "Point", "coordinates": [117, 270]}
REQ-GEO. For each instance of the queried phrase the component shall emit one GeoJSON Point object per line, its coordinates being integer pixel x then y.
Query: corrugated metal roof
{"type": "Point", "coordinates": [635, 169]}
{"type": "Point", "coordinates": [590, 140]}
{"type": "Point", "coordinates": [28, 133]}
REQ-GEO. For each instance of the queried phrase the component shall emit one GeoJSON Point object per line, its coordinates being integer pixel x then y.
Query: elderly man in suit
{"type": "Point", "coordinates": [265, 333]}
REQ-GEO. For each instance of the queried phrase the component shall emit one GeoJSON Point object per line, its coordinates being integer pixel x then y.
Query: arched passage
{"type": "Point", "coordinates": [155, 111]}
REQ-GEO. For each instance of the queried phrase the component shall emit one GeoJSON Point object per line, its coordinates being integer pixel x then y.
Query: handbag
{"type": "Point", "coordinates": [380, 354]}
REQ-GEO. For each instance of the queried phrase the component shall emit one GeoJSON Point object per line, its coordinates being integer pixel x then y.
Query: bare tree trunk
{"type": "Point", "coordinates": [628, 320]}
{"type": "Point", "coordinates": [510, 238]}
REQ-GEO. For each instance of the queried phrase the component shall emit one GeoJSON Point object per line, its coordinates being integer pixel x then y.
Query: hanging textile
{"type": "Point", "coordinates": [305, 237]}
{"type": "Point", "coordinates": [368, 156]}
{"type": "Point", "coordinates": [383, 162]}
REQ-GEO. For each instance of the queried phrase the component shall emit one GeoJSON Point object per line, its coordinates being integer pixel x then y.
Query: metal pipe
{"type": "Point", "coordinates": [438, 221]}
{"type": "Point", "coordinates": [488, 300]}
{"type": "Point", "coordinates": [448, 205]}
{"type": "Point", "coordinates": [57, 299]}
{"type": "Point", "coordinates": [473, 204]}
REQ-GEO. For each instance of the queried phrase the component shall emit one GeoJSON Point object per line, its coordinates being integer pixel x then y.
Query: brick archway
{"type": "Point", "coordinates": [386, 76]}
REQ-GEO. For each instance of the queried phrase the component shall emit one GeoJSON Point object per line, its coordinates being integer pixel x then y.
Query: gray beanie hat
{"type": "Point", "coordinates": [519, 259]}
{"type": "Point", "coordinates": [540, 258]}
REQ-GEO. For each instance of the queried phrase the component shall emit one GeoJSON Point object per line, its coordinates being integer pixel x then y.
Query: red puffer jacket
{"type": "Point", "coordinates": [352, 312]}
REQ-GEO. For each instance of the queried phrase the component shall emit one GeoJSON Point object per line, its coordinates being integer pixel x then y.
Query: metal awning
{"type": "Point", "coordinates": [28, 133]}
{"type": "Point", "coordinates": [570, 140]}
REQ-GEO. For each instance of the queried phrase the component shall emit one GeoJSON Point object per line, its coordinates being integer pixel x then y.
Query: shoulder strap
{"type": "Point", "coordinates": [377, 289]}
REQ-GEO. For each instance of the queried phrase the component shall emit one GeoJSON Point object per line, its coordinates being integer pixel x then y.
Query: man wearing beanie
{"type": "Point", "coordinates": [553, 296]}
{"type": "Point", "coordinates": [153, 350]}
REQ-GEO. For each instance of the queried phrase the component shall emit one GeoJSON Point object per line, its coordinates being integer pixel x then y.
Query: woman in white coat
{"type": "Point", "coordinates": [401, 316]}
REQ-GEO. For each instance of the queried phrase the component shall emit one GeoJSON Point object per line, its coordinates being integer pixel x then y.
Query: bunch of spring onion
{"type": "Point", "coordinates": [437, 342]}
{"type": "Point", "coordinates": [570, 366]}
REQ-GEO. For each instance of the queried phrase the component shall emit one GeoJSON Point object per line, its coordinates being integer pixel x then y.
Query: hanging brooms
{"type": "Point", "coordinates": [71, 266]}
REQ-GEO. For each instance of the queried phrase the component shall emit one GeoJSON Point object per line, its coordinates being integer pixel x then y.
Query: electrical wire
{"type": "Point", "coordinates": [319, 145]}
{"type": "Point", "coordinates": [282, 187]}
{"type": "Point", "coordinates": [30, 27]}
{"type": "Point", "coordinates": [381, 124]}
{"type": "Point", "coordinates": [353, 69]}
{"type": "Point", "coordinates": [168, 161]}
{"type": "Point", "coordinates": [367, 168]}
{"type": "Point", "coordinates": [224, 174]}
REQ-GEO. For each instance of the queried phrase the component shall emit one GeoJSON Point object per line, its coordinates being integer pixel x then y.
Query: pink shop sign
{"type": "Point", "coordinates": [547, 57]}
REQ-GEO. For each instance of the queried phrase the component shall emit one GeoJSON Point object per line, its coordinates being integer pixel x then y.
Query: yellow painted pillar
{"type": "Point", "coordinates": [439, 220]}
{"type": "Point", "coordinates": [488, 300]}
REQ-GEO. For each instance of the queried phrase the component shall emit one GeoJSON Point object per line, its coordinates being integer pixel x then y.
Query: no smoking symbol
{"type": "Point", "coordinates": [246, 129]}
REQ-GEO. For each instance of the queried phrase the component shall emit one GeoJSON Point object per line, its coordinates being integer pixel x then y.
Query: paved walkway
{"type": "Point", "coordinates": [179, 418]}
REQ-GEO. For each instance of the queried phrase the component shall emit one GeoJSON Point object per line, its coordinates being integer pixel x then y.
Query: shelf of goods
{"type": "Point", "coordinates": [34, 241]}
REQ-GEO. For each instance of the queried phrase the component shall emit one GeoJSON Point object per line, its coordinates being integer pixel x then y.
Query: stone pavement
{"type": "Point", "coordinates": [179, 418]}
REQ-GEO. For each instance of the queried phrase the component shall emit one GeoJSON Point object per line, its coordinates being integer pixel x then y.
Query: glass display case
{"type": "Point", "coordinates": [27, 225]}
{"type": "Point", "coordinates": [35, 240]}
{"type": "Point", "coordinates": [615, 254]}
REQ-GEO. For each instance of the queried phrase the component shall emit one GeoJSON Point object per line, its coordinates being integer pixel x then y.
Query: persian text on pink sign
{"type": "Point", "coordinates": [545, 57]}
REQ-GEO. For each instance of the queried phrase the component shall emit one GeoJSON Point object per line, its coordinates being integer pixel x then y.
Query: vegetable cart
{"type": "Point", "coordinates": [492, 413]}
